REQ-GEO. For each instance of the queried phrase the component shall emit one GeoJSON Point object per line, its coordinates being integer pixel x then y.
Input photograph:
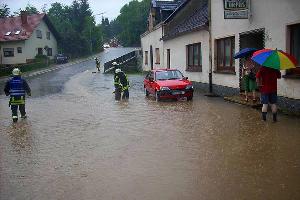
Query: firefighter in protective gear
{"type": "Point", "coordinates": [16, 88]}
{"type": "Point", "coordinates": [121, 85]}
{"type": "Point", "coordinates": [97, 64]}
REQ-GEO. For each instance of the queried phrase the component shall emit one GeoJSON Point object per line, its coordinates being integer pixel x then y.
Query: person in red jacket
{"type": "Point", "coordinates": [267, 82]}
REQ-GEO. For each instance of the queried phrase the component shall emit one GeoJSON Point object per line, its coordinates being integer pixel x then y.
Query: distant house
{"type": "Point", "coordinates": [24, 37]}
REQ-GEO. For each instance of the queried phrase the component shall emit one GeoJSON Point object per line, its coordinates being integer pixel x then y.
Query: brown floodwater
{"type": "Point", "coordinates": [78, 143]}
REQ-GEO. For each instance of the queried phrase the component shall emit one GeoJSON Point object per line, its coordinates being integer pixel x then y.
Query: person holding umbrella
{"type": "Point", "coordinates": [249, 78]}
{"type": "Point", "coordinates": [272, 61]}
{"type": "Point", "coordinates": [248, 71]}
{"type": "Point", "coordinates": [267, 81]}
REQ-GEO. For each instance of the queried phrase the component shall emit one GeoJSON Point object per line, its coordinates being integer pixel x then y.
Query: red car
{"type": "Point", "coordinates": [168, 84]}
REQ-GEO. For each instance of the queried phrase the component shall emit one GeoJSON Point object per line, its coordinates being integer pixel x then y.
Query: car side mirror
{"type": "Point", "coordinates": [185, 78]}
{"type": "Point", "coordinates": [151, 79]}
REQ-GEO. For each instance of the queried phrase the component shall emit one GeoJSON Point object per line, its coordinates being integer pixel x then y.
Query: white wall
{"type": "Point", "coordinates": [152, 38]}
{"type": "Point", "coordinates": [29, 47]}
{"type": "Point", "coordinates": [274, 16]}
{"type": "Point", "coordinates": [177, 48]}
{"type": "Point", "coordinates": [33, 43]}
{"type": "Point", "coordinates": [18, 57]}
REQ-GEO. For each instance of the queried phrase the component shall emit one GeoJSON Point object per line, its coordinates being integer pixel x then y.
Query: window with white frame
{"type": "Point", "coordinates": [146, 57]}
{"type": "Point", "coordinates": [295, 41]}
{"type": "Point", "coordinates": [39, 34]}
{"type": "Point", "coordinates": [19, 49]}
{"type": "Point", "coordinates": [48, 35]}
{"type": "Point", "coordinates": [8, 52]}
{"type": "Point", "coordinates": [49, 52]}
{"type": "Point", "coordinates": [40, 51]}
{"type": "Point", "coordinates": [157, 56]}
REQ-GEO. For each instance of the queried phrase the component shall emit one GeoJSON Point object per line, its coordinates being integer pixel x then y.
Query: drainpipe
{"type": "Point", "coordinates": [210, 48]}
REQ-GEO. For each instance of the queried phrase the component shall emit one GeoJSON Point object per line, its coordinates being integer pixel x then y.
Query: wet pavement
{"type": "Point", "coordinates": [78, 143]}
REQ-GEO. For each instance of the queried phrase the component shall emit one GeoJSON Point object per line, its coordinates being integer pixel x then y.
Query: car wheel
{"type": "Point", "coordinates": [157, 97]}
{"type": "Point", "coordinates": [146, 92]}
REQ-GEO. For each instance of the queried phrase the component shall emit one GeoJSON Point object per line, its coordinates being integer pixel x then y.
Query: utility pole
{"type": "Point", "coordinates": [210, 93]}
{"type": "Point", "coordinates": [91, 42]}
{"type": "Point", "coordinates": [210, 48]}
{"type": "Point", "coordinates": [210, 51]}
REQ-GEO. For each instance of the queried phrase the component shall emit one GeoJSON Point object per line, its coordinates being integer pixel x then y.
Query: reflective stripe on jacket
{"type": "Point", "coordinates": [17, 100]}
{"type": "Point", "coordinates": [121, 81]}
{"type": "Point", "coordinates": [16, 85]}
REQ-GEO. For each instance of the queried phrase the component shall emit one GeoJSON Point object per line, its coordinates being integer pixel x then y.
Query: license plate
{"type": "Point", "coordinates": [182, 99]}
{"type": "Point", "coordinates": [177, 93]}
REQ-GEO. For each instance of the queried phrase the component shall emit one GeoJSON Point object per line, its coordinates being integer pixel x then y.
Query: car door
{"type": "Point", "coordinates": [146, 82]}
{"type": "Point", "coordinates": [151, 83]}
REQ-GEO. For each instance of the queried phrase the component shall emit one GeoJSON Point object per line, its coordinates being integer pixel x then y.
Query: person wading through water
{"type": "Point", "coordinates": [97, 64]}
{"type": "Point", "coordinates": [121, 84]}
{"type": "Point", "coordinates": [16, 88]}
{"type": "Point", "coordinates": [267, 80]}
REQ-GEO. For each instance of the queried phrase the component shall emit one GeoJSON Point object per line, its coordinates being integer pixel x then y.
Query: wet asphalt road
{"type": "Point", "coordinates": [78, 143]}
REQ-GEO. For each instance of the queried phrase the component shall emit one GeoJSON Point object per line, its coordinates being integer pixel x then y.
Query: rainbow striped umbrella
{"type": "Point", "coordinates": [275, 59]}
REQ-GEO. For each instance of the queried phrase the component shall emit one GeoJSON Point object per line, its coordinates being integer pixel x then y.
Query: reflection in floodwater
{"type": "Point", "coordinates": [81, 144]}
{"type": "Point", "coordinates": [20, 136]}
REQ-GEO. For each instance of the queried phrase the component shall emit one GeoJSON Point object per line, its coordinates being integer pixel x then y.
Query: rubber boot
{"type": "Point", "coordinates": [264, 116]}
{"type": "Point", "coordinates": [15, 118]}
{"type": "Point", "coordinates": [274, 117]}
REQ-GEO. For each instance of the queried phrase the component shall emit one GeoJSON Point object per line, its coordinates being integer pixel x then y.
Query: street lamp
{"type": "Point", "coordinates": [91, 43]}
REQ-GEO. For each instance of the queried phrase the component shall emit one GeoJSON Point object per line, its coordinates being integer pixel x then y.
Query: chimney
{"type": "Point", "coordinates": [24, 17]}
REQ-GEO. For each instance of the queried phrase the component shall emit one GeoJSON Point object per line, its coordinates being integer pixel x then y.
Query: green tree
{"type": "Point", "coordinates": [106, 29]}
{"type": "Point", "coordinates": [31, 9]}
{"type": "Point", "coordinates": [77, 27]}
{"type": "Point", "coordinates": [4, 11]}
{"type": "Point", "coordinates": [131, 22]}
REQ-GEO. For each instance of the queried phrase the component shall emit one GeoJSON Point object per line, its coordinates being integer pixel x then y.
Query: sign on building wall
{"type": "Point", "coordinates": [236, 9]}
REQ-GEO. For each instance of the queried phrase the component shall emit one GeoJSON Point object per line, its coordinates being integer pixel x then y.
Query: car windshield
{"type": "Point", "coordinates": [168, 75]}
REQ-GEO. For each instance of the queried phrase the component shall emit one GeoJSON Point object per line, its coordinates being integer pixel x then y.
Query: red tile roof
{"type": "Point", "coordinates": [14, 24]}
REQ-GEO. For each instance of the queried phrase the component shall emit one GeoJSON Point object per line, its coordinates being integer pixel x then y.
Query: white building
{"type": "Point", "coordinates": [260, 24]}
{"type": "Point", "coordinates": [271, 24]}
{"type": "Point", "coordinates": [152, 46]}
{"type": "Point", "coordinates": [186, 39]}
{"type": "Point", "coordinates": [151, 40]}
{"type": "Point", "coordinates": [24, 37]}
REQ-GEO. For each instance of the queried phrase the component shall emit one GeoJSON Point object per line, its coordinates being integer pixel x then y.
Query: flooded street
{"type": "Point", "coordinates": [79, 143]}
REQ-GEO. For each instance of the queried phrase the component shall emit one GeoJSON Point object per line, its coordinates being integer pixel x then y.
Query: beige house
{"type": "Point", "coordinates": [153, 48]}
{"type": "Point", "coordinates": [151, 40]}
{"type": "Point", "coordinates": [186, 40]}
{"type": "Point", "coordinates": [24, 37]}
{"type": "Point", "coordinates": [248, 23]}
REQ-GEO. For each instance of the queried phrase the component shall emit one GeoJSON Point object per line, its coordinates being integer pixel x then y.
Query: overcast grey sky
{"type": "Point", "coordinates": [110, 7]}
